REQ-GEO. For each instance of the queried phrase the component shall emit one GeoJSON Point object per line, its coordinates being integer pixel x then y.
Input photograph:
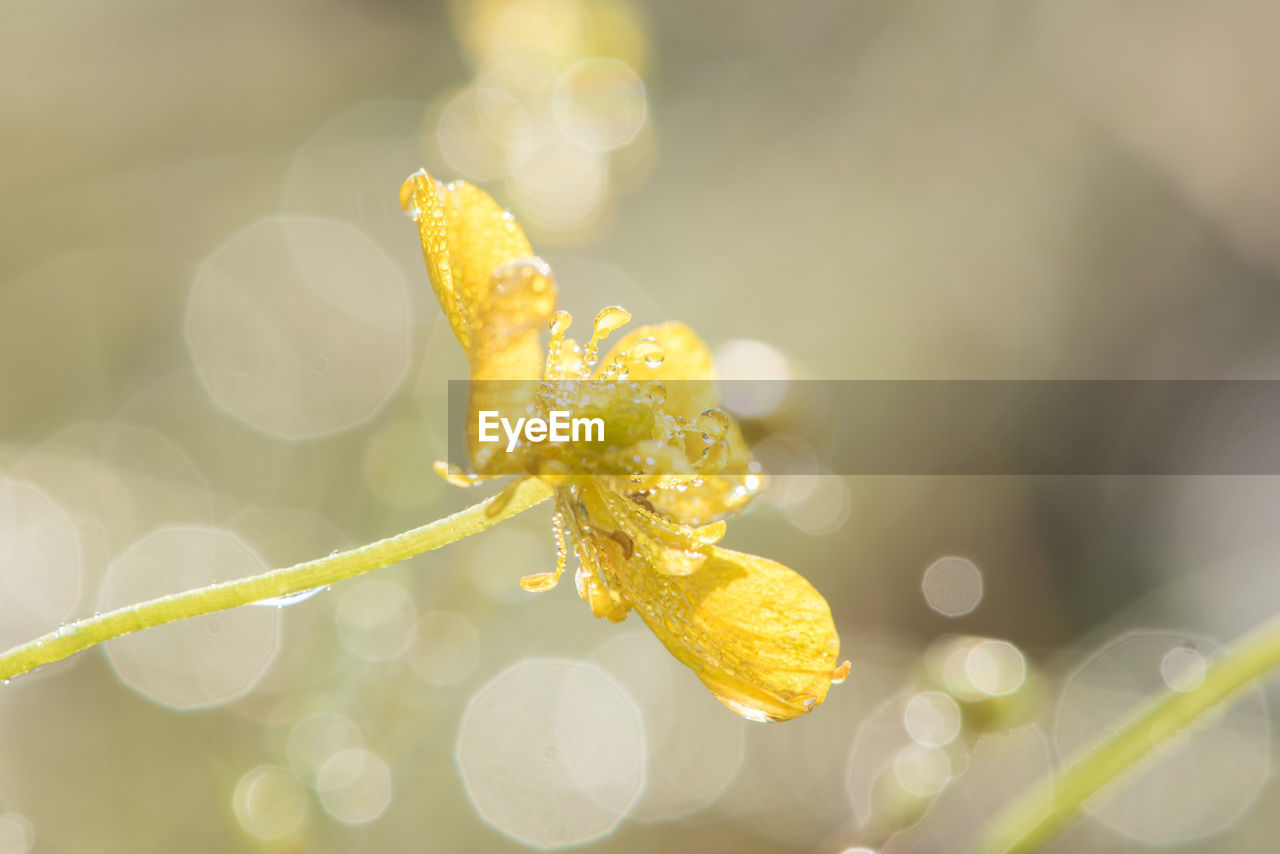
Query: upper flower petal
{"type": "Point", "coordinates": [465, 236]}
{"type": "Point", "coordinates": [687, 372]}
{"type": "Point", "coordinates": [506, 352]}
{"type": "Point", "coordinates": [686, 363]}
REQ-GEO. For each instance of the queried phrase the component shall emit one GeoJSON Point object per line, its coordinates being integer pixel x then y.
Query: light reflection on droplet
{"type": "Point", "coordinates": [754, 377]}
{"type": "Point", "coordinates": [445, 649]}
{"type": "Point", "coordinates": [376, 619]}
{"type": "Point", "coordinates": [41, 575]}
{"type": "Point", "coordinates": [552, 752]}
{"type": "Point", "coordinates": [952, 586]}
{"type": "Point", "coordinates": [354, 786]}
{"type": "Point", "coordinates": [922, 771]}
{"type": "Point", "coordinates": [202, 661]}
{"type": "Point", "coordinates": [317, 737]}
{"type": "Point", "coordinates": [1183, 668]}
{"type": "Point", "coordinates": [269, 803]}
{"type": "Point", "coordinates": [299, 346]}
{"type": "Point", "coordinates": [1194, 785]}
{"type": "Point", "coordinates": [995, 667]}
{"type": "Point", "coordinates": [600, 103]}
{"type": "Point", "coordinates": [932, 719]}
{"type": "Point", "coordinates": [289, 598]}
{"type": "Point", "coordinates": [17, 836]}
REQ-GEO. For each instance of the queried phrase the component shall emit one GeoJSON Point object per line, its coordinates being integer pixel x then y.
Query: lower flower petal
{"type": "Point", "coordinates": [756, 633]}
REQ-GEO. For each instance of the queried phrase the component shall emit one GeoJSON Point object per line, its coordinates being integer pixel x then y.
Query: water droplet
{"type": "Point", "coordinates": [290, 598]}
{"type": "Point", "coordinates": [609, 320]}
{"type": "Point", "coordinates": [606, 321]}
{"type": "Point", "coordinates": [540, 581]}
{"type": "Point", "coordinates": [710, 534]}
{"type": "Point", "coordinates": [654, 392]}
{"type": "Point", "coordinates": [646, 350]}
{"type": "Point", "coordinates": [406, 193]}
{"type": "Point", "coordinates": [559, 323]}
{"type": "Point", "coordinates": [713, 458]}
{"type": "Point", "coordinates": [713, 423]}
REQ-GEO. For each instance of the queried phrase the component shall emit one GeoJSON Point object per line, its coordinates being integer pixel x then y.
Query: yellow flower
{"type": "Point", "coordinates": [643, 513]}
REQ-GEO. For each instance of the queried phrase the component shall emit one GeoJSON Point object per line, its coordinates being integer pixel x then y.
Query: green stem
{"type": "Point", "coordinates": [1034, 819]}
{"type": "Point", "coordinates": [82, 634]}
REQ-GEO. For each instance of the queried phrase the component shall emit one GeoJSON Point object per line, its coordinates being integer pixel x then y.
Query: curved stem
{"type": "Point", "coordinates": [82, 634]}
{"type": "Point", "coordinates": [1034, 819]}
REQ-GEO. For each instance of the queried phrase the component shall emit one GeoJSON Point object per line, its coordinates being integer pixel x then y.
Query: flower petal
{"type": "Point", "coordinates": [687, 373]}
{"type": "Point", "coordinates": [509, 320]}
{"type": "Point", "coordinates": [506, 353]}
{"type": "Point", "coordinates": [686, 362]}
{"type": "Point", "coordinates": [465, 236]}
{"type": "Point", "coordinates": [755, 632]}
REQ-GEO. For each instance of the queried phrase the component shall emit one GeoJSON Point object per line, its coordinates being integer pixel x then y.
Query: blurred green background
{"type": "Point", "coordinates": [219, 353]}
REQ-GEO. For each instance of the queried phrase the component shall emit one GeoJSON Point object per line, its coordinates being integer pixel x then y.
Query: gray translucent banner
{"type": "Point", "coordinates": [881, 427]}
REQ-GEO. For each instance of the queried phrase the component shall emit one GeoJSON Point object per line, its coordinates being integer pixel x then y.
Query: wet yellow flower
{"type": "Point", "coordinates": [643, 512]}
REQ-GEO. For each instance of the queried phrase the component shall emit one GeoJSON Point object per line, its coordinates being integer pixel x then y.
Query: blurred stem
{"type": "Point", "coordinates": [1045, 810]}
{"type": "Point", "coordinates": [74, 637]}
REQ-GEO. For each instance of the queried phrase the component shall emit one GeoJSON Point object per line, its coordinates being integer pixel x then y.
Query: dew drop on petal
{"type": "Point", "coordinates": [713, 423]}
{"type": "Point", "coordinates": [648, 351]}
{"type": "Point", "coordinates": [654, 392]}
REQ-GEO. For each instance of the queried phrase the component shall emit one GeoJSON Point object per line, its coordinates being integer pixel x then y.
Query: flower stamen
{"type": "Point", "coordinates": [559, 325]}
{"type": "Point", "coordinates": [609, 320]}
